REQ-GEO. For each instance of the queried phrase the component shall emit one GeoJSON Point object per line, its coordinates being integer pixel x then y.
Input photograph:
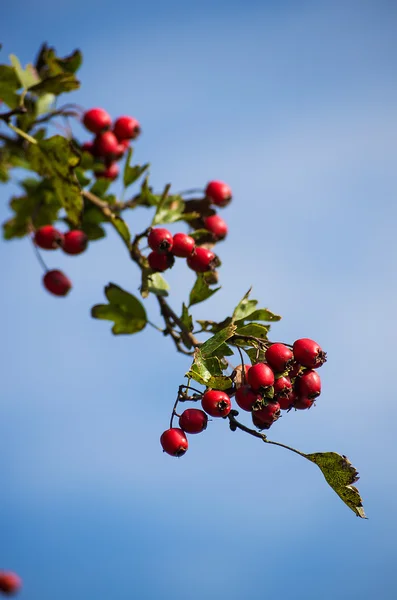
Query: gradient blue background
{"type": "Point", "coordinates": [293, 104]}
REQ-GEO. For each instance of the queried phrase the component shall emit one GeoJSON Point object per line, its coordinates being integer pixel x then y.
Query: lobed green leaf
{"type": "Point", "coordinates": [124, 309]}
{"type": "Point", "coordinates": [200, 290]}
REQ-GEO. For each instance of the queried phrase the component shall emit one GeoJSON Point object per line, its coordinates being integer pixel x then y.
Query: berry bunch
{"type": "Point", "coordinates": [286, 379]}
{"type": "Point", "coordinates": [10, 583]}
{"type": "Point", "coordinates": [72, 242]}
{"type": "Point", "coordinates": [110, 143]}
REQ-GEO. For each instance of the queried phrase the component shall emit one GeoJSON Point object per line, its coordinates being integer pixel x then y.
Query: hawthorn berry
{"type": "Point", "coordinates": [106, 145]}
{"type": "Point", "coordinates": [216, 403]}
{"type": "Point", "coordinates": [57, 283]}
{"type": "Point", "coordinates": [287, 402]}
{"type": "Point", "coordinates": [182, 245]}
{"type": "Point", "coordinates": [110, 172]}
{"type": "Point", "coordinates": [160, 262]}
{"type": "Point", "coordinates": [10, 583]}
{"type": "Point", "coordinates": [126, 128]}
{"type": "Point", "coordinates": [308, 384]}
{"type": "Point", "coordinates": [48, 238]}
{"type": "Point", "coordinates": [282, 387]}
{"type": "Point", "coordinates": [279, 357]}
{"type": "Point", "coordinates": [247, 398]}
{"type": "Point", "coordinates": [260, 376]}
{"type": "Point", "coordinates": [216, 225]}
{"type": "Point", "coordinates": [308, 353]}
{"type": "Point", "coordinates": [193, 420]}
{"type": "Point", "coordinates": [74, 242]}
{"type": "Point", "coordinates": [97, 120]}
{"type": "Point", "coordinates": [239, 376]}
{"type": "Point", "coordinates": [302, 403]}
{"type": "Point", "coordinates": [160, 240]}
{"type": "Point", "coordinates": [219, 193]}
{"type": "Point", "coordinates": [202, 260]}
{"type": "Point", "coordinates": [174, 442]}
{"type": "Point", "coordinates": [266, 416]}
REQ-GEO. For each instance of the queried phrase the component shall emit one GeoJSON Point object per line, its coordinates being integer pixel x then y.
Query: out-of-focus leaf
{"type": "Point", "coordinates": [169, 210]}
{"type": "Point", "coordinates": [57, 84]}
{"type": "Point", "coordinates": [122, 229]}
{"type": "Point", "coordinates": [124, 309]}
{"type": "Point", "coordinates": [9, 84]}
{"type": "Point", "coordinates": [132, 172]}
{"type": "Point", "coordinates": [27, 76]}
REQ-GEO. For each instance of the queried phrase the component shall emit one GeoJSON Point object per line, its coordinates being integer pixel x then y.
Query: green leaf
{"type": "Point", "coordinates": [55, 159]}
{"type": "Point", "coordinates": [157, 284]}
{"type": "Point", "coordinates": [100, 187]}
{"type": "Point", "coordinates": [255, 355]}
{"type": "Point", "coordinates": [223, 350]}
{"type": "Point", "coordinates": [340, 475]}
{"type": "Point", "coordinates": [49, 64]}
{"type": "Point", "coordinates": [208, 348]}
{"type": "Point", "coordinates": [57, 84]}
{"type": "Point", "coordinates": [214, 326]}
{"type": "Point", "coordinates": [132, 173]}
{"type": "Point", "coordinates": [262, 314]}
{"type": "Point", "coordinates": [9, 84]}
{"type": "Point", "coordinates": [186, 318]}
{"type": "Point", "coordinates": [201, 290]}
{"type": "Point", "coordinates": [146, 197]}
{"type": "Point", "coordinates": [255, 329]}
{"type": "Point", "coordinates": [27, 76]}
{"type": "Point", "coordinates": [244, 307]}
{"type": "Point", "coordinates": [208, 372]}
{"type": "Point", "coordinates": [122, 229]}
{"type": "Point", "coordinates": [124, 309]}
{"type": "Point", "coordinates": [169, 210]}
{"type": "Point", "coordinates": [71, 63]}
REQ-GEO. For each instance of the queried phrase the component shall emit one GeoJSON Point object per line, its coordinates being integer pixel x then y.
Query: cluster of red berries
{"type": "Point", "coordinates": [10, 583]}
{"type": "Point", "coordinates": [110, 143]}
{"type": "Point", "coordinates": [288, 379]}
{"type": "Point", "coordinates": [165, 247]}
{"type": "Point", "coordinates": [72, 242]}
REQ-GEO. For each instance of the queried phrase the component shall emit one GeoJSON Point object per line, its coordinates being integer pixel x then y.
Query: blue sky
{"type": "Point", "coordinates": [293, 104]}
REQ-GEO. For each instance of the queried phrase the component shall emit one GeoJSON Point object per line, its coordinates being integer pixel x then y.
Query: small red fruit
{"type": "Point", "coordinates": [48, 238]}
{"type": "Point", "coordinates": [126, 128]}
{"type": "Point", "coordinates": [308, 353]}
{"type": "Point", "coordinates": [260, 376]}
{"type": "Point", "coordinates": [219, 193]}
{"type": "Point", "coordinates": [160, 240]}
{"type": "Point", "coordinates": [202, 260]}
{"type": "Point", "coordinates": [97, 120]}
{"type": "Point", "coordinates": [239, 376]}
{"type": "Point", "coordinates": [10, 583]}
{"type": "Point", "coordinates": [246, 398]}
{"type": "Point", "coordinates": [302, 403]}
{"type": "Point", "coordinates": [193, 420]}
{"type": "Point", "coordinates": [74, 242]}
{"type": "Point", "coordinates": [308, 384]}
{"type": "Point", "coordinates": [266, 416]}
{"type": "Point", "coordinates": [216, 403]}
{"type": "Point", "coordinates": [286, 402]}
{"type": "Point", "coordinates": [217, 226]}
{"type": "Point", "coordinates": [183, 245]}
{"type": "Point", "coordinates": [57, 283]}
{"type": "Point", "coordinates": [106, 145]}
{"type": "Point", "coordinates": [110, 172]}
{"type": "Point", "coordinates": [174, 442]}
{"type": "Point", "coordinates": [279, 357]}
{"type": "Point", "coordinates": [282, 387]}
{"type": "Point", "coordinates": [160, 262]}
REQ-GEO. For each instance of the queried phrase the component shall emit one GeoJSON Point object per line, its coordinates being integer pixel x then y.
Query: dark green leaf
{"type": "Point", "coordinates": [340, 475]}
{"type": "Point", "coordinates": [124, 309]}
{"type": "Point", "coordinates": [214, 326]}
{"type": "Point", "coordinates": [57, 84]}
{"type": "Point", "coordinates": [82, 177]}
{"type": "Point", "coordinates": [132, 173]}
{"type": "Point", "coordinates": [146, 197]}
{"type": "Point", "coordinates": [28, 76]}
{"type": "Point", "coordinates": [100, 187]}
{"type": "Point", "coordinates": [71, 63]}
{"type": "Point", "coordinates": [186, 318]}
{"type": "Point", "coordinates": [201, 290]}
{"type": "Point", "coordinates": [209, 347]}
{"type": "Point", "coordinates": [254, 329]}
{"type": "Point", "coordinates": [255, 355]}
{"type": "Point", "coordinates": [122, 229]}
{"type": "Point", "coordinates": [262, 314]}
{"type": "Point", "coordinates": [55, 159]}
{"type": "Point", "coordinates": [244, 307]}
{"type": "Point", "coordinates": [208, 372]}
{"type": "Point", "coordinates": [9, 84]}
{"type": "Point", "coordinates": [223, 350]}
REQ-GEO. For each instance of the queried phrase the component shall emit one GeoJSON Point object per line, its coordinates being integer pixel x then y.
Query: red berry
{"type": "Point", "coordinates": [308, 384]}
{"type": "Point", "coordinates": [286, 402]}
{"type": "Point", "coordinates": [74, 242]}
{"type": "Point", "coordinates": [57, 283]}
{"type": "Point", "coordinates": [302, 403]}
{"type": "Point", "coordinates": [279, 357]}
{"type": "Point", "coordinates": [110, 172]}
{"type": "Point", "coordinates": [48, 238]}
{"type": "Point", "coordinates": [246, 398]}
{"type": "Point", "coordinates": [217, 226]}
{"type": "Point", "coordinates": [216, 403]}
{"type": "Point", "coordinates": [308, 353]}
{"type": "Point", "coordinates": [125, 144]}
{"type": "Point", "coordinates": [202, 260]}
{"type": "Point", "coordinates": [282, 387]}
{"type": "Point", "coordinates": [193, 420]}
{"type": "Point", "coordinates": [160, 262]}
{"type": "Point", "coordinates": [266, 416]}
{"type": "Point", "coordinates": [219, 193]}
{"type": "Point", "coordinates": [10, 583]}
{"type": "Point", "coordinates": [239, 376]}
{"type": "Point", "coordinates": [174, 442]}
{"type": "Point", "coordinates": [97, 120]}
{"type": "Point", "coordinates": [183, 245]}
{"type": "Point", "coordinates": [160, 240]}
{"type": "Point", "coordinates": [260, 376]}
{"type": "Point", "coordinates": [106, 145]}
{"type": "Point", "coordinates": [126, 128]}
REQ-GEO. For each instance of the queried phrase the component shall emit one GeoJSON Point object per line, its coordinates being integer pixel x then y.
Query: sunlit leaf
{"type": "Point", "coordinates": [200, 290]}
{"type": "Point", "coordinates": [124, 309]}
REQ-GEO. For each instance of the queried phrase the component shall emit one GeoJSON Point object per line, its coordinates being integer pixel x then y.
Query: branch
{"type": "Point", "coordinates": [20, 110]}
{"type": "Point", "coordinates": [171, 318]}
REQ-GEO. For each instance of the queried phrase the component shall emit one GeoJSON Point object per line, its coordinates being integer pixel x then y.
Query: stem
{"type": "Point", "coordinates": [187, 337]}
{"type": "Point", "coordinates": [23, 134]}
{"type": "Point", "coordinates": [20, 110]}
{"type": "Point", "coordinates": [38, 256]}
